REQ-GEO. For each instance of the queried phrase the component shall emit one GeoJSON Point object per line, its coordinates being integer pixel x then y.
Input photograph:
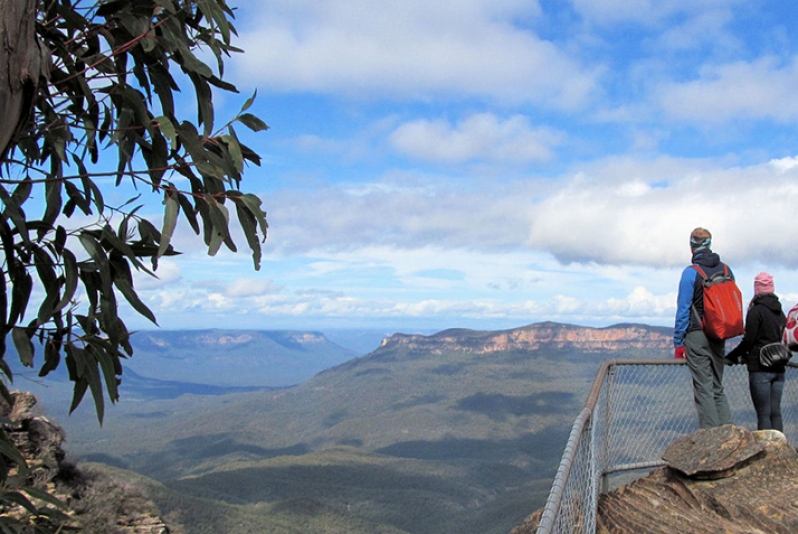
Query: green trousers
{"type": "Point", "coordinates": [705, 358]}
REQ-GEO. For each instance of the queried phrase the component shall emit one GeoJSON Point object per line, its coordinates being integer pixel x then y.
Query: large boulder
{"type": "Point", "coordinates": [713, 452]}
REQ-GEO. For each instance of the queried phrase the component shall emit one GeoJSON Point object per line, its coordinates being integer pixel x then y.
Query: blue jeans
{"type": "Point", "coordinates": [766, 390]}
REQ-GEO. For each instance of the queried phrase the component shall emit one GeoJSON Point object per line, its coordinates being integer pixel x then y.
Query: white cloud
{"type": "Point", "coordinates": [647, 12]}
{"type": "Point", "coordinates": [480, 136]}
{"type": "Point", "coordinates": [596, 220]}
{"type": "Point", "coordinates": [168, 274]}
{"type": "Point", "coordinates": [619, 211]}
{"type": "Point", "coordinates": [249, 287]}
{"type": "Point", "coordinates": [760, 89]}
{"type": "Point", "coordinates": [402, 48]}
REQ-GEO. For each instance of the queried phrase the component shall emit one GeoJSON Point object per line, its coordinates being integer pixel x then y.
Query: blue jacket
{"type": "Point", "coordinates": [691, 295]}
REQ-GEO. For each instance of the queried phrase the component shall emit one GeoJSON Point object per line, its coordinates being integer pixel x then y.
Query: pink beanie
{"type": "Point", "coordinates": [763, 283]}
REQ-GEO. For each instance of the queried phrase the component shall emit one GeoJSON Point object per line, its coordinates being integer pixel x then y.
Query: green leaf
{"type": "Point", "coordinates": [14, 497]}
{"type": "Point", "coordinates": [52, 357]}
{"type": "Point", "coordinates": [109, 373]}
{"type": "Point", "coordinates": [95, 384]}
{"type": "Point", "coordinates": [253, 203]}
{"type": "Point", "coordinates": [70, 278]}
{"type": "Point", "coordinates": [97, 254]}
{"type": "Point", "coordinates": [171, 210]}
{"type": "Point", "coordinates": [6, 370]}
{"type": "Point", "coordinates": [188, 211]}
{"type": "Point", "coordinates": [249, 102]}
{"type": "Point", "coordinates": [22, 191]}
{"type": "Point", "coordinates": [235, 150]}
{"type": "Point", "coordinates": [252, 122]}
{"type": "Point", "coordinates": [43, 495]}
{"type": "Point", "coordinates": [250, 228]}
{"type": "Point", "coordinates": [13, 211]}
{"type": "Point", "coordinates": [168, 130]}
{"type": "Point", "coordinates": [8, 450]}
{"type": "Point", "coordinates": [125, 286]}
{"type": "Point", "coordinates": [23, 344]}
{"type": "Point", "coordinates": [20, 292]}
{"type": "Point", "coordinates": [52, 193]}
{"type": "Point", "coordinates": [220, 219]}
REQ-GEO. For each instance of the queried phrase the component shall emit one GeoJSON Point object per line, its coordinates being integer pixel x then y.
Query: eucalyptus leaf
{"type": "Point", "coordinates": [252, 122]}
{"type": "Point", "coordinates": [23, 345]}
{"type": "Point", "coordinates": [171, 210]}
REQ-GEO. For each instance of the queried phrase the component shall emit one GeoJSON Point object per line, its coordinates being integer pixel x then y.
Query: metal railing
{"type": "Point", "coordinates": [635, 410]}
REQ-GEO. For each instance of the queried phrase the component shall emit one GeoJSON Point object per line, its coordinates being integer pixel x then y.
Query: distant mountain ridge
{"type": "Point", "coordinates": [234, 358]}
{"type": "Point", "coordinates": [534, 336]}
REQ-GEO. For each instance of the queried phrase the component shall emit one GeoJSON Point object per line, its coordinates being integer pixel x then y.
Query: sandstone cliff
{"type": "Point", "coordinates": [95, 502]}
{"type": "Point", "coordinates": [722, 480]}
{"type": "Point", "coordinates": [535, 336]}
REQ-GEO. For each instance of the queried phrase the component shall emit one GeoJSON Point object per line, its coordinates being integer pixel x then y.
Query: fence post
{"type": "Point", "coordinates": [608, 417]}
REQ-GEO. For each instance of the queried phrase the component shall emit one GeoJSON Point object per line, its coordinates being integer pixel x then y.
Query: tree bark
{"type": "Point", "coordinates": [22, 68]}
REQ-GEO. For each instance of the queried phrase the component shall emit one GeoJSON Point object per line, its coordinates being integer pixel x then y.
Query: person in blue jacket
{"type": "Point", "coordinates": [705, 356]}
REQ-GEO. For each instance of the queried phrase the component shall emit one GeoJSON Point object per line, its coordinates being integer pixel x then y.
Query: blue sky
{"type": "Point", "coordinates": [495, 163]}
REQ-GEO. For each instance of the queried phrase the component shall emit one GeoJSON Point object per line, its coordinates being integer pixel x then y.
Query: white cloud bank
{"type": "Point", "coordinates": [616, 212]}
{"type": "Point", "coordinates": [408, 49]}
{"type": "Point", "coordinates": [761, 89]}
{"type": "Point", "coordinates": [479, 136]}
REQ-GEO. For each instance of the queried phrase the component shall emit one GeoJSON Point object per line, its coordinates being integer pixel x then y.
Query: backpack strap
{"type": "Point", "coordinates": [704, 275]}
{"type": "Point", "coordinates": [700, 271]}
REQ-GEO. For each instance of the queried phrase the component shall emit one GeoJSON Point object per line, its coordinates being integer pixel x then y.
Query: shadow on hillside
{"type": "Point", "coordinates": [428, 498]}
{"type": "Point", "coordinates": [215, 445]}
{"type": "Point", "coordinates": [545, 446]}
{"type": "Point", "coordinates": [498, 407]}
{"type": "Point", "coordinates": [379, 493]}
{"type": "Point", "coordinates": [183, 455]}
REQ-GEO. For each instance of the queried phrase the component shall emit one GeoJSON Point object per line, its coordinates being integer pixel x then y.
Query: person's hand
{"type": "Point", "coordinates": [731, 359]}
{"type": "Point", "coordinates": [678, 353]}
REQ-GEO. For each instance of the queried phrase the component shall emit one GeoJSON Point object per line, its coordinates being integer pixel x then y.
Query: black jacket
{"type": "Point", "coordinates": [764, 323]}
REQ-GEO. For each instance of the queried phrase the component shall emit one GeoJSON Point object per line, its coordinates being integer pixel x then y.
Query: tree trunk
{"type": "Point", "coordinates": [22, 67]}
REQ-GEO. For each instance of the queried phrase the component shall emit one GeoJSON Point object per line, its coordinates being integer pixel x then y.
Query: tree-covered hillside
{"type": "Point", "coordinates": [418, 441]}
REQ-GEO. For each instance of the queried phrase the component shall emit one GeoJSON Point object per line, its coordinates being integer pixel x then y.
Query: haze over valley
{"type": "Point", "coordinates": [459, 431]}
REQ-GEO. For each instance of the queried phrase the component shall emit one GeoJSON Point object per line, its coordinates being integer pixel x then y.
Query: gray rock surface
{"type": "Point", "coordinates": [712, 452]}
{"type": "Point", "coordinates": [726, 480]}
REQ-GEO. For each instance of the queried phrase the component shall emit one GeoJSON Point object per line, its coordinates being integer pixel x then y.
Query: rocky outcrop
{"type": "Point", "coordinates": [535, 336]}
{"type": "Point", "coordinates": [722, 480]}
{"type": "Point", "coordinates": [95, 503]}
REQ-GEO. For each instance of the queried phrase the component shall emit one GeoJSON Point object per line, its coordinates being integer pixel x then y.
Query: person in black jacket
{"type": "Point", "coordinates": [764, 324]}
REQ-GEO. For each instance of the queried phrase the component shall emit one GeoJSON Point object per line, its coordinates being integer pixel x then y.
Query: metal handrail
{"type": "Point", "coordinates": [598, 467]}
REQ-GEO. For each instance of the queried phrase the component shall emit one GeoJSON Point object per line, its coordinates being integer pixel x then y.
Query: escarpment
{"type": "Point", "coordinates": [535, 336]}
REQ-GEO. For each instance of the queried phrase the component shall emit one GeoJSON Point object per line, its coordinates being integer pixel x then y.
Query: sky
{"type": "Point", "coordinates": [490, 164]}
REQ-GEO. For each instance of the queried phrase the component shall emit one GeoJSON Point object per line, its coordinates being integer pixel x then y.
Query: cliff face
{"type": "Point", "coordinates": [533, 337]}
{"type": "Point", "coordinates": [95, 503]}
{"type": "Point", "coordinates": [725, 479]}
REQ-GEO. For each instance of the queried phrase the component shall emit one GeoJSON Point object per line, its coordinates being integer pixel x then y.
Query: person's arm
{"type": "Point", "coordinates": [684, 305]}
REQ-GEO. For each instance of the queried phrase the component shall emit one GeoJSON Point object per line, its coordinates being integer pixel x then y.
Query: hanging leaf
{"type": "Point", "coordinates": [252, 122]}
{"type": "Point", "coordinates": [23, 345]}
{"type": "Point", "coordinates": [172, 208]}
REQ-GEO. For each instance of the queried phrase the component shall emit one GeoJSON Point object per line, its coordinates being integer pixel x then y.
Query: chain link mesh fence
{"type": "Point", "coordinates": [635, 410]}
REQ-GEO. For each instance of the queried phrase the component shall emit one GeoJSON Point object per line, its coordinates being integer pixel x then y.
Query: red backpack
{"type": "Point", "coordinates": [723, 305]}
{"type": "Point", "coordinates": [790, 335]}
